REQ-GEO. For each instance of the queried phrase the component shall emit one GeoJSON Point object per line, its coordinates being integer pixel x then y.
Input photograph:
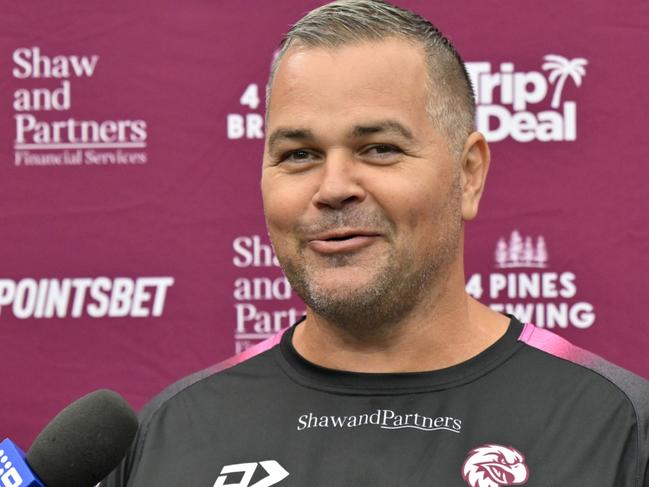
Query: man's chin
{"type": "Point", "coordinates": [353, 290]}
{"type": "Point", "coordinates": [343, 281]}
{"type": "Point", "coordinates": [346, 293]}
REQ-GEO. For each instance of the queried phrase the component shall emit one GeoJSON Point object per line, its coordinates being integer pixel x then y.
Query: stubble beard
{"type": "Point", "coordinates": [396, 289]}
{"type": "Point", "coordinates": [370, 309]}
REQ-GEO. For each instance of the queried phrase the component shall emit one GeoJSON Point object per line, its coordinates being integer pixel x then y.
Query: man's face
{"type": "Point", "coordinates": [362, 196]}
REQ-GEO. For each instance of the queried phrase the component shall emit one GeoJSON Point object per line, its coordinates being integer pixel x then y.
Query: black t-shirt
{"type": "Point", "coordinates": [531, 409]}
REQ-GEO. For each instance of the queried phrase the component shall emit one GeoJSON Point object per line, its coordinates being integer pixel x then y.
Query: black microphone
{"type": "Point", "coordinates": [83, 443]}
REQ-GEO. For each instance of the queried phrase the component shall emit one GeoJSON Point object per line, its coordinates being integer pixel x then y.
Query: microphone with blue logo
{"type": "Point", "coordinates": [78, 448]}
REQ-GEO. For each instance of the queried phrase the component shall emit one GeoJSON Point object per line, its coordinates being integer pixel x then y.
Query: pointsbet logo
{"type": "Point", "coordinates": [527, 105]}
{"type": "Point", "coordinates": [99, 297]}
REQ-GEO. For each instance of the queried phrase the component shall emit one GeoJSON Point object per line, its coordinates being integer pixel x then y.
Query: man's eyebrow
{"type": "Point", "coordinates": [290, 134]}
{"type": "Point", "coordinates": [384, 126]}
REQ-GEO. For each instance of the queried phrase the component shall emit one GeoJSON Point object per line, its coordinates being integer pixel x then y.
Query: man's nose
{"type": "Point", "coordinates": [339, 184]}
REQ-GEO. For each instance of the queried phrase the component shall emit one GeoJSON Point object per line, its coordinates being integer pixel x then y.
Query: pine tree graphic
{"type": "Point", "coordinates": [520, 252]}
{"type": "Point", "coordinates": [541, 252]}
{"type": "Point", "coordinates": [501, 252]}
{"type": "Point", "coordinates": [515, 247]}
{"type": "Point", "coordinates": [528, 251]}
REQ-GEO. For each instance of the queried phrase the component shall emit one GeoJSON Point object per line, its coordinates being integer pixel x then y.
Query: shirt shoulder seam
{"type": "Point", "coordinates": [527, 334]}
{"type": "Point", "coordinates": [149, 411]}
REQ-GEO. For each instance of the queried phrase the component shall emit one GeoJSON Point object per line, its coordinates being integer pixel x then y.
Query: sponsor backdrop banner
{"type": "Point", "coordinates": [133, 242]}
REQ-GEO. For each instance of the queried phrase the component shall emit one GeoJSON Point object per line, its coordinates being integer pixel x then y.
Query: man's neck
{"type": "Point", "coordinates": [454, 330]}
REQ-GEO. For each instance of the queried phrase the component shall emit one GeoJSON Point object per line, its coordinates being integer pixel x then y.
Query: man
{"type": "Point", "coordinates": [396, 377]}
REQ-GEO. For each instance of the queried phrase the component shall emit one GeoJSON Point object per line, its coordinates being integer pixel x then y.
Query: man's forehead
{"type": "Point", "coordinates": [357, 56]}
{"type": "Point", "coordinates": [389, 75]}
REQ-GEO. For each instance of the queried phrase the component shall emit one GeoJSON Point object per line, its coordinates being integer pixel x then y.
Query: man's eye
{"type": "Point", "coordinates": [383, 150]}
{"type": "Point", "coordinates": [297, 156]}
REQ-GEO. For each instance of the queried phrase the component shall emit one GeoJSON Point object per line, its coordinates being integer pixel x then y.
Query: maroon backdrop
{"type": "Point", "coordinates": [133, 242]}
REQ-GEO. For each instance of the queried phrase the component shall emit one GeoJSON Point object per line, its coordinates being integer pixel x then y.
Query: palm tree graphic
{"type": "Point", "coordinates": [561, 68]}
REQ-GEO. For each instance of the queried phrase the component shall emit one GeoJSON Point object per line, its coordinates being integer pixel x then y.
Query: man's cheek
{"type": "Point", "coordinates": [413, 218]}
{"type": "Point", "coordinates": [283, 245]}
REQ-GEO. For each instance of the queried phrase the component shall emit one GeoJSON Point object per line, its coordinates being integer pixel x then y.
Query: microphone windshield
{"type": "Point", "coordinates": [84, 442]}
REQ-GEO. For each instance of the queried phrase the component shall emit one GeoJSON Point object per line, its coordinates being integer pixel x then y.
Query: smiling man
{"type": "Point", "coordinates": [395, 377]}
{"type": "Point", "coordinates": [365, 196]}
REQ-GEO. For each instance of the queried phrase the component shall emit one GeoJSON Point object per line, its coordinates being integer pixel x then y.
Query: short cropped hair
{"type": "Point", "coordinates": [451, 104]}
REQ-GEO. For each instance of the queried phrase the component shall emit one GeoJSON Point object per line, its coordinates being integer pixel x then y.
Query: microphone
{"type": "Point", "coordinates": [78, 448]}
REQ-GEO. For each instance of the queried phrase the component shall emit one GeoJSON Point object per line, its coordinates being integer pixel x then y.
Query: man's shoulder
{"type": "Point", "coordinates": [251, 358]}
{"type": "Point", "coordinates": [202, 388]}
{"type": "Point", "coordinates": [633, 387]}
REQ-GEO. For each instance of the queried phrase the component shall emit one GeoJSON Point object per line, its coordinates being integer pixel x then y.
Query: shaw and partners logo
{"type": "Point", "coordinates": [98, 297]}
{"type": "Point", "coordinates": [381, 418]}
{"type": "Point", "coordinates": [44, 137]}
{"type": "Point", "coordinates": [263, 296]}
{"type": "Point", "coordinates": [522, 104]}
{"type": "Point", "coordinates": [526, 286]}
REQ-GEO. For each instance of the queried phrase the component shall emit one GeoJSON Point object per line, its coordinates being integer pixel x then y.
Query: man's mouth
{"type": "Point", "coordinates": [342, 241]}
{"type": "Point", "coordinates": [337, 239]}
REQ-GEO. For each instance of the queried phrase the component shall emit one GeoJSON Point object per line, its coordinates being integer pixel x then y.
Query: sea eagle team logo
{"type": "Point", "coordinates": [495, 466]}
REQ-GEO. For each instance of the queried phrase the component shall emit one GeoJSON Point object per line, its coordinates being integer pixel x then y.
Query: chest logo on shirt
{"type": "Point", "coordinates": [495, 466]}
{"type": "Point", "coordinates": [276, 473]}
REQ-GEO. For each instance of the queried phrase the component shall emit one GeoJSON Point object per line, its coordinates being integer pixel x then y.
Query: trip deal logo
{"type": "Point", "coordinates": [525, 285]}
{"type": "Point", "coordinates": [527, 105]}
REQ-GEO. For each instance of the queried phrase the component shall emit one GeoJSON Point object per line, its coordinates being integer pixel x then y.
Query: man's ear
{"type": "Point", "coordinates": [474, 165]}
